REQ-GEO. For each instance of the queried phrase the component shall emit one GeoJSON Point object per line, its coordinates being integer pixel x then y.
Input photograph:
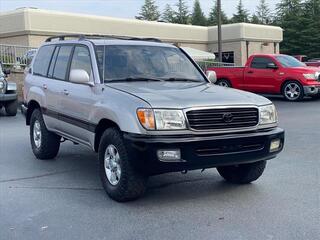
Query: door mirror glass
{"type": "Point", "coordinates": [272, 66]}
{"type": "Point", "coordinates": [79, 76]}
{"type": "Point", "coordinates": [212, 76]}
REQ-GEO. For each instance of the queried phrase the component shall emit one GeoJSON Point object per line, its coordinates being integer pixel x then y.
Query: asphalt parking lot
{"type": "Point", "coordinates": [63, 199]}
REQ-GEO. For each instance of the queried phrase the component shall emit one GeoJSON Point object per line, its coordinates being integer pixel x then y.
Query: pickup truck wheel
{"type": "Point", "coordinates": [45, 144]}
{"type": "Point", "coordinates": [12, 108]}
{"type": "Point", "coordinates": [244, 173]}
{"type": "Point", "coordinates": [224, 83]}
{"type": "Point", "coordinates": [120, 179]}
{"type": "Point", "coordinates": [293, 91]}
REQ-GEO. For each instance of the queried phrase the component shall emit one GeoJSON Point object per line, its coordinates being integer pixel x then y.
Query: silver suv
{"type": "Point", "coordinates": [146, 108]}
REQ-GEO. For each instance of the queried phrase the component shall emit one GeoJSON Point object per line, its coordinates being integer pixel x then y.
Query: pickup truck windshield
{"type": "Point", "coordinates": [145, 63]}
{"type": "Point", "coordinates": [288, 61]}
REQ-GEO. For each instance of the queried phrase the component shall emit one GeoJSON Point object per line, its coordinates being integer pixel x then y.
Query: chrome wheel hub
{"type": "Point", "coordinates": [112, 164]}
{"type": "Point", "coordinates": [37, 134]}
{"type": "Point", "coordinates": [292, 91]}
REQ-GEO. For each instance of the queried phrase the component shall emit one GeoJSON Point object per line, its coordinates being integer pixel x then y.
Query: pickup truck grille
{"type": "Point", "coordinates": [222, 119]}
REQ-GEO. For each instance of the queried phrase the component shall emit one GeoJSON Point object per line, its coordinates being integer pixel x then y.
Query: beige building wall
{"type": "Point", "coordinates": [32, 26]}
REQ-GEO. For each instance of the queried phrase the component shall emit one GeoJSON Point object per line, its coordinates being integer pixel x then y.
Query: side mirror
{"type": "Point", "coordinates": [6, 71]}
{"type": "Point", "coordinates": [212, 76]}
{"type": "Point", "coordinates": [272, 66]}
{"type": "Point", "coordinates": [79, 76]}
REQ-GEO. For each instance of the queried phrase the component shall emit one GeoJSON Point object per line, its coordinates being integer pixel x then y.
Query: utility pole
{"type": "Point", "coordinates": [219, 30]}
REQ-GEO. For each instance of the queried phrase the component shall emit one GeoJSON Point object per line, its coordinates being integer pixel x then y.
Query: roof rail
{"type": "Point", "coordinates": [97, 36]}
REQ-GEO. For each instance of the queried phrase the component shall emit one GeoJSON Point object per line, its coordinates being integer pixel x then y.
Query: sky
{"type": "Point", "coordinates": [120, 8]}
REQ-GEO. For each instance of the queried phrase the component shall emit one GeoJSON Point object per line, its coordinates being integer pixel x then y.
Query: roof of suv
{"type": "Point", "coordinates": [107, 40]}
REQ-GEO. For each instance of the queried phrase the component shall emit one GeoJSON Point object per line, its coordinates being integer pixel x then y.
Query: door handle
{"type": "Point", "coordinates": [250, 72]}
{"type": "Point", "coordinates": [44, 86]}
{"type": "Point", "coordinates": [65, 92]}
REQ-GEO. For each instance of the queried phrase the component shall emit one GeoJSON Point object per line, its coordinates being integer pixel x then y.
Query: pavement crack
{"type": "Point", "coordinates": [37, 176]}
{"type": "Point", "coordinates": [58, 188]}
{"type": "Point", "coordinates": [164, 185]}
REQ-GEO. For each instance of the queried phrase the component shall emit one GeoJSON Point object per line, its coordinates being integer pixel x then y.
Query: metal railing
{"type": "Point", "coordinates": [14, 55]}
{"type": "Point", "coordinates": [208, 64]}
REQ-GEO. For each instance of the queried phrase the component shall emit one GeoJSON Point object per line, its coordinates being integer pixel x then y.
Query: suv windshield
{"type": "Point", "coordinates": [288, 61]}
{"type": "Point", "coordinates": [143, 63]}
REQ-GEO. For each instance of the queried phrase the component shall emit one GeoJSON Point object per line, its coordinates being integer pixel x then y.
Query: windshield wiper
{"type": "Point", "coordinates": [173, 79]}
{"type": "Point", "coordinates": [134, 79]}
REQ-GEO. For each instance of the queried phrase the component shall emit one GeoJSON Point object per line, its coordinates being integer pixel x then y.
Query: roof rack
{"type": "Point", "coordinates": [97, 36]}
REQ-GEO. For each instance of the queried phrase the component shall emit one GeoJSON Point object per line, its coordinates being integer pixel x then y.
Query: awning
{"type": "Point", "coordinates": [199, 55]}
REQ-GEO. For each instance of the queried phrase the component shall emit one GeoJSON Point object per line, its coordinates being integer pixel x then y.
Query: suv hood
{"type": "Point", "coordinates": [185, 95]}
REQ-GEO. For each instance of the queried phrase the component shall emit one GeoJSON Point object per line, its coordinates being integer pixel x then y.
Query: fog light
{"type": "Point", "coordinates": [275, 145]}
{"type": "Point", "coordinates": [172, 155]}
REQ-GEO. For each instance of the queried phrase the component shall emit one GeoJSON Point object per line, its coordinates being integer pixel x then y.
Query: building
{"type": "Point", "coordinates": [30, 27]}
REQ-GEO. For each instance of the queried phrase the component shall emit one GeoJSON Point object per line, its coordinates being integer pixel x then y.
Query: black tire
{"type": "Point", "coordinates": [244, 173]}
{"type": "Point", "coordinates": [131, 184]}
{"type": "Point", "coordinates": [12, 108]}
{"type": "Point", "coordinates": [50, 142]}
{"type": "Point", "coordinates": [299, 90]}
{"type": "Point", "coordinates": [224, 83]}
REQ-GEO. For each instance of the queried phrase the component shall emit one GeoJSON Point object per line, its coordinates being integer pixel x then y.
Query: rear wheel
{"type": "Point", "coordinates": [12, 108]}
{"type": "Point", "coordinates": [244, 173]}
{"type": "Point", "coordinates": [293, 91]}
{"type": "Point", "coordinates": [224, 83]}
{"type": "Point", "coordinates": [45, 144]}
{"type": "Point", "coordinates": [120, 179]}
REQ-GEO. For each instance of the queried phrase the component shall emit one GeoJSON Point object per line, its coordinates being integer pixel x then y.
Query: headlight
{"type": "Point", "coordinates": [310, 76]}
{"type": "Point", "coordinates": [2, 84]}
{"type": "Point", "coordinates": [268, 114]}
{"type": "Point", "coordinates": [161, 119]}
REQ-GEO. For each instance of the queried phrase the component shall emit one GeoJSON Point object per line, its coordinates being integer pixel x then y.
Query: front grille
{"type": "Point", "coordinates": [222, 119]}
{"type": "Point", "coordinates": [230, 149]}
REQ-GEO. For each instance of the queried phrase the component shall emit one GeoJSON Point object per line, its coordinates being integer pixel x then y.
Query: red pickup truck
{"type": "Point", "coordinates": [272, 74]}
{"type": "Point", "coordinates": [315, 62]}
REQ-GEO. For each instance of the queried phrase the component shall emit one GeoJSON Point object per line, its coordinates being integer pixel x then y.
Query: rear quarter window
{"type": "Point", "coordinates": [42, 60]}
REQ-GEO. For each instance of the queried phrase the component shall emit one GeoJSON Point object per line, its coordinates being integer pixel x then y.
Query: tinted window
{"type": "Point", "coordinates": [53, 62]}
{"type": "Point", "coordinates": [60, 69]}
{"type": "Point", "coordinates": [131, 62]}
{"type": "Point", "coordinates": [81, 59]}
{"type": "Point", "coordinates": [41, 63]}
{"type": "Point", "coordinates": [261, 62]}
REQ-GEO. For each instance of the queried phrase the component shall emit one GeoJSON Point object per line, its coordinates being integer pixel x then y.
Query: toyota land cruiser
{"type": "Point", "coordinates": [146, 108]}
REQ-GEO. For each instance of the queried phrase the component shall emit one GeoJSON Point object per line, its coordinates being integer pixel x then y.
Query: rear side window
{"type": "Point", "coordinates": [42, 61]}
{"type": "Point", "coordinates": [61, 66]}
{"type": "Point", "coordinates": [81, 59]}
{"type": "Point", "coordinates": [261, 62]}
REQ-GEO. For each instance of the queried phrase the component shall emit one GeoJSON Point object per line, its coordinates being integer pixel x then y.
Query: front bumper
{"type": "Point", "coordinates": [5, 97]}
{"type": "Point", "coordinates": [24, 109]}
{"type": "Point", "coordinates": [311, 90]}
{"type": "Point", "coordinates": [198, 152]}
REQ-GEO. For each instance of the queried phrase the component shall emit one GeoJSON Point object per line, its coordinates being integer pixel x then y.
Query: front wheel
{"type": "Point", "coordinates": [244, 173]}
{"type": "Point", "coordinates": [293, 91]}
{"type": "Point", "coordinates": [45, 144]}
{"type": "Point", "coordinates": [12, 108]}
{"type": "Point", "coordinates": [224, 83]}
{"type": "Point", "coordinates": [119, 178]}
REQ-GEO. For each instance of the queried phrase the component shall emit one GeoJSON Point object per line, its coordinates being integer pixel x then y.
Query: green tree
{"type": "Point", "coordinates": [213, 16]}
{"type": "Point", "coordinates": [290, 18]}
{"type": "Point", "coordinates": [310, 32]}
{"type": "Point", "coordinates": [149, 11]}
{"type": "Point", "coordinates": [198, 17]}
{"type": "Point", "coordinates": [263, 13]}
{"type": "Point", "coordinates": [255, 19]}
{"type": "Point", "coordinates": [242, 14]}
{"type": "Point", "coordinates": [168, 14]}
{"type": "Point", "coordinates": [182, 15]}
